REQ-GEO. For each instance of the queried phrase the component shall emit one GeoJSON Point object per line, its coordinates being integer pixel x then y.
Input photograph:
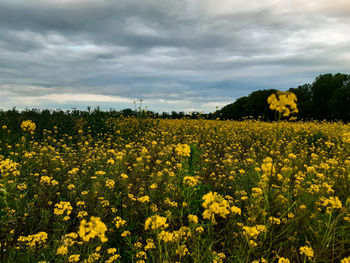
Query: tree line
{"type": "Point", "coordinates": [327, 98]}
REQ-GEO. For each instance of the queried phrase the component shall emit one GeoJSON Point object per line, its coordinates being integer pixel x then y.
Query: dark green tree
{"type": "Point", "coordinates": [234, 111]}
{"type": "Point", "coordinates": [257, 105]}
{"type": "Point", "coordinates": [323, 89]}
{"type": "Point", "coordinates": [305, 103]}
{"type": "Point", "coordinates": [339, 104]}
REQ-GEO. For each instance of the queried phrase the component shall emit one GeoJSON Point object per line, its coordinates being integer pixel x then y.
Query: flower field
{"type": "Point", "coordinates": [150, 190]}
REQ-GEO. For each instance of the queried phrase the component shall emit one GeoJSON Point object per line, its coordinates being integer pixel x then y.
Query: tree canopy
{"type": "Point", "coordinates": [328, 97]}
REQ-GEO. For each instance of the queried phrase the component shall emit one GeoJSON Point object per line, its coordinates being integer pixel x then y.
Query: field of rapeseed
{"type": "Point", "coordinates": [176, 191]}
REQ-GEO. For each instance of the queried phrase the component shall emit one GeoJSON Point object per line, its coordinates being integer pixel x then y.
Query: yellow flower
{"type": "Point", "coordinates": [254, 231]}
{"type": "Point", "coordinates": [124, 176]}
{"type": "Point", "coordinates": [92, 229]}
{"type": "Point", "coordinates": [268, 167]}
{"type": "Point", "coordinates": [307, 251]}
{"type": "Point", "coordinates": [110, 161]}
{"type": "Point", "coordinates": [332, 203]}
{"type": "Point", "coordinates": [274, 220]}
{"type": "Point", "coordinates": [113, 258]}
{"type": "Point", "coordinates": [169, 202]}
{"type": "Point", "coordinates": [22, 186]}
{"type": "Point", "coordinates": [283, 260]}
{"type": "Point", "coordinates": [154, 186]}
{"type": "Point", "coordinates": [110, 183]}
{"type": "Point", "coordinates": [193, 218]}
{"type": "Point", "coordinates": [62, 250]}
{"type": "Point", "coordinates": [199, 230]}
{"type": "Point", "coordinates": [100, 173]}
{"type": "Point", "coordinates": [144, 199]}
{"type": "Point", "coordinates": [283, 102]}
{"type": "Point", "coordinates": [166, 236]}
{"type": "Point", "coordinates": [345, 260]}
{"type": "Point", "coordinates": [150, 244]}
{"type": "Point", "coordinates": [74, 258]}
{"type": "Point", "coordinates": [155, 222]}
{"type": "Point", "coordinates": [183, 150]}
{"type": "Point", "coordinates": [141, 254]}
{"type": "Point", "coordinates": [252, 243]}
{"type": "Point", "coordinates": [182, 251]}
{"type": "Point", "coordinates": [119, 222]}
{"type": "Point", "coordinates": [256, 191]}
{"type": "Point", "coordinates": [80, 203]}
{"type": "Point", "coordinates": [215, 204]}
{"type": "Point", "coordinates": [28, 125]}
{"type": "Point", "coordinates": [81, 214]}
{"type": "Point", "coordinates": [63, 208]}
{"type": "Point", "coordinates": [45, 180]}
{"type": "Point", "coordinates": [125, 233]}
{"type": "Point", "coordinates": [34, 240]}
{"type": "Point", "coordinates": [93, 257]}
{"type": "Point", "coordinates": [111, 250]}
{"type": "Point", "coordinates": [138, 245]}
{"type": "Point", "coordinates": [190, 181]}
{"type": "Point", "coordinates": [346, 137]}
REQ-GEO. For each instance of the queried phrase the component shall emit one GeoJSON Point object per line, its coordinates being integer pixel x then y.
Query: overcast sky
{"type": "Point", "coordinates": [183, 55]}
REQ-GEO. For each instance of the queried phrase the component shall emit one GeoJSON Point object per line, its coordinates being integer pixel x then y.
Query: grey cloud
{"type": "Point", "coordinates": [166, 50]}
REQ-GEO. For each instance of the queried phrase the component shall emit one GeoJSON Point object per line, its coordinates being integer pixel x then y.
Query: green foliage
{"type": "Point", "coordinates": [328, 97]}
{"type": "Point", "coordinates": [340, 103]}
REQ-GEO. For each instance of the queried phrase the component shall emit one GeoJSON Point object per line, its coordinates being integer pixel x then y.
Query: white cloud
{"type": "Point", "coordinates": [69, 98]}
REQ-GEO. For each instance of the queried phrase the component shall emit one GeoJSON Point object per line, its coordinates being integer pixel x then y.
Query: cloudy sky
{"type": "Point", "coordinates": [174, 55]}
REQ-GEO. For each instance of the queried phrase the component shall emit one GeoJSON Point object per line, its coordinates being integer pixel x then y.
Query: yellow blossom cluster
{"type": "Point", "coordinates": [9, 167]}
{"type": "Point", "coordinates": [144, 199]}
{"type": "Point", "coordinates": [183, 150]}
{"type": "Point", "coordinates": [48, 180]}
{"type": "Point", "coordinates": [28, 125]}
{"type": "Point", "coordinates": [113, 258]}
{"type": "Point", "coordinates": [110, 183]}
{"type": "Point", "coordinates": [119, 222]}
{"type": "Point", "coordinates": [283, 260]}
{"type": "Point", "coordinates": [156, 222]}
{"type": "Point", "coordinates": [307, 251]}
{"type": "Point", "coordinates": [150, 244]}
{"type": "Point", "coordinates": [216, 204]}
{"type": "Point", "coordinates": [254, 231]}
{"type": "Point", "coordinates": [190, 181]}
{"type": "Point", "coordinates": [68, 240]}
{"type": "Point", "coordinates": [193, 218]}
{"type": "Point", "coordinates": [332, 203]}
{"type": "Point", "coordinates": [63, 208]}
{"type": "Point", "coordinates": [346, 137]}
{"type": "Point", "coordinates": [175, 236]}
{"type": "Point", "coordinates": [283, 102]}
{"type": "Point", "coordinates": [218, 257]}
{"type": "Point", "coordinates": [94, 228]}
{"type": "Point", "coordinates": [74, 258]}
{"type": "Point", "coordinates": [34, 240]}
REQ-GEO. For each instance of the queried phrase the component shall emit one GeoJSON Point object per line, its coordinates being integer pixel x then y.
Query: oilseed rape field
{"type": "Point", "coordinates": [150, 190]}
